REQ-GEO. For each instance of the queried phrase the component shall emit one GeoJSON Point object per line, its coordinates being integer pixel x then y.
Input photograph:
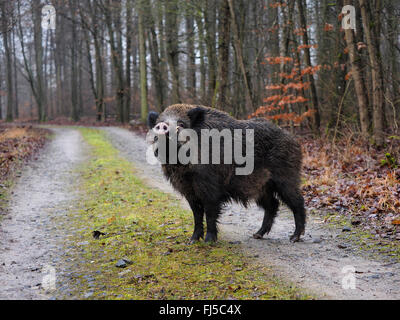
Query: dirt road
{"type": "Point", "coordinates": [31, 233]}
{"type": "Point", "coordinates": [30, 237]}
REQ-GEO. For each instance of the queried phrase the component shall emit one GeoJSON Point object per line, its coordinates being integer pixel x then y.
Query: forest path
{"type": "Point", "coordinates": [318, 263]}
{"type": "Point", "coordinates": [32, 231]}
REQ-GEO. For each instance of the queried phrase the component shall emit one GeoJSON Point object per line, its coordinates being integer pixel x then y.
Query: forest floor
{"type": "Point", "coordinates": [106, 225]}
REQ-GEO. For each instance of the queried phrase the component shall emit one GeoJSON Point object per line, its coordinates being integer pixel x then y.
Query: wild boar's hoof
{"type": "Point", "coordinates": [196, 237]}
{"type": "Point", "coordinates": [296, 237]}
{"type": "Point", "coordinates": [258, 236]}
{"type": "Point", "coordinates": [211, 238]}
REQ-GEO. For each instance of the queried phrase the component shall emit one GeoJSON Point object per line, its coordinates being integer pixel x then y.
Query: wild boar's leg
{"type": "Point", "coordinates": [271, 205]}
{"type": "Point", "coordinates": [198, 213]}
{"type": "Point", "coordinates": [212, 213]}
{"type": "Point", "coordinates": [292, 197]}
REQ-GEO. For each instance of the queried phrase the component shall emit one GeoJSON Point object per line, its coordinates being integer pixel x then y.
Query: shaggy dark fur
{"type": "Point", "coordinates": [277, 167]}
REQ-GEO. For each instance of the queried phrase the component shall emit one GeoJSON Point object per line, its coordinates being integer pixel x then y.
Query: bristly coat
{"type": "Point", "coordinates": [207, 187]}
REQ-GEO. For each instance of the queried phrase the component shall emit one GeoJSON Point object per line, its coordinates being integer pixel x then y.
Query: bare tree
{"type": "Point", "coordinates": [156, 63]}
{"type": "Point", "coordinates": [41, 98]}
{"type": "Point", "coordinates": [250, 106]}
{"type": "Point", "coordinates": [223, 59]}
{"type": "Point", "coordinates": [359, 81]}
{"type": "Point", "coordinates": [376, 71]}
{"type": "Point", "coordinates": [172, 30]}
{"type": "Point", "coordinates": [307, 58]}
{"type": "Point", "coordinates": [143, 67]}
{"type": "Point", "coordinates": [6, 13]}
{"type": "Point", "coordinates": [112, 11]}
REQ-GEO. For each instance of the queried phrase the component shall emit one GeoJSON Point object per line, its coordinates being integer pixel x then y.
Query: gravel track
{"type": "Point", "coordinates": [30, 237]}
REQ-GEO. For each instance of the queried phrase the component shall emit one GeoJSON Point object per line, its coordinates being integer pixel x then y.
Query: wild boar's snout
{"type": "Point", "coordinates": [161, 128]}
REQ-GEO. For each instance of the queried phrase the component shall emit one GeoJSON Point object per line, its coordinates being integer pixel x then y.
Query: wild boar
{"type": "Point", "coordinates": [208, 186]}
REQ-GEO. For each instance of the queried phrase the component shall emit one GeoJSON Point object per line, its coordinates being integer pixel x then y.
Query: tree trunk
{"type": "Point", "coordinates": [250, 106]}
{"type": "Point", "coordinates": [38, 38]}
{"type": "Point", "coordinates": [1, 87]}
{"type": "Point", "coordinates": [156, 63]}
{"type": "Point", "coordinates": [74, 71]}
{"type": "Point", "coordinates": [5, 15]}
{"type": "Point", "coordinates": [58, 61]}
{"type": "Point", "coordinates": [171, 25]}
{"type": "Point", "coordinates": [284, 48]}
{"type": "Point", "coordinates": [209, 23]}
{"type": "Point", "coordinates": [393, 30]}
{"type": "Point", "coordinates": [16, 106]}
{"type": "Point", "coordinates": [200, 26]}
{"type": "Point", "coordinates": [100, 83]}
{"type": "Point", "coordinates": [307, 57]}
{"type": "Point", "coordinates": [359, 82]}
{"type": "Point", "coordinates": [223, 55]}
{"type": "Point", "coordinates": [163, 53]}
{"type": "Point", "coordinates": [191, 59]}
{"type": "Point", "coordinates": [376, 72]}
{"type": "Point", "coordinates": [113, 14]}
{"type": "Point", "coordinates": [143, 70]}
{"type": "Point", "coordinates": [128, 64]}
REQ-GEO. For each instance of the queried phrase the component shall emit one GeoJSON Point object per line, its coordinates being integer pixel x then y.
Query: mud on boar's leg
{"type": "Point", "coordinates": [271, 205]}
{"type": "Point", "coordinates": [198, 213]}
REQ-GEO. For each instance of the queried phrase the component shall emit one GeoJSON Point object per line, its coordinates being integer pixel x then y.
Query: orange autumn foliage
{"type": "Point", "coordinates": [274, 87]}
{"type": "Point", "coordinates": [310, 70]}
{"type": "Point", "coordinates": [328, 27]}
{"type": "Point", "coordinates": [278, 4]}
{"type": "Point", "coordinates": [272, 98]}
{"type": "Point", "coordinates": [286, 116]}
{"type": "Point", "coordinates": [296, 86]}
{"type": "Point", "coordinates": [279, 60]}
{"type": "Point", "coordinates": [291, 88]}
{"type": "Point", "coordinates": [299, 31]}
{"type": "Point", "coordinates": [303, 46]}
{"type": "Point", "coordinates": [348, 76]}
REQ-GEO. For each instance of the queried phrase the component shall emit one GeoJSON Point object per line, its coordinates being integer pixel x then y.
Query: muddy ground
{"type": "Point", "coordinates": [32, 232]}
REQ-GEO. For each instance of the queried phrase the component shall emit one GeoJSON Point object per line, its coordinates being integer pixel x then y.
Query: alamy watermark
{"type": "Point", "coordinates": [349, 278]}
{"type": "Point", "coordinates": [349, 18]}
{"type": "Point", "coordinates": [186, 146]}
{"type": "Point", "coordinates": [49, 279]}
{"type": "Point", "coordinates": [49, 16]}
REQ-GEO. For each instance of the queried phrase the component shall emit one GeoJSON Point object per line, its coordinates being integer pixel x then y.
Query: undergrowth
{"type": "Point", "coordinates": [349, 179]}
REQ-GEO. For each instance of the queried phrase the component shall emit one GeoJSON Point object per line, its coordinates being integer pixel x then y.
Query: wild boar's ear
{"type": "Point", "coordinates": [152, 119]}
{"type": "Point", "coordinates": [196, 116]}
